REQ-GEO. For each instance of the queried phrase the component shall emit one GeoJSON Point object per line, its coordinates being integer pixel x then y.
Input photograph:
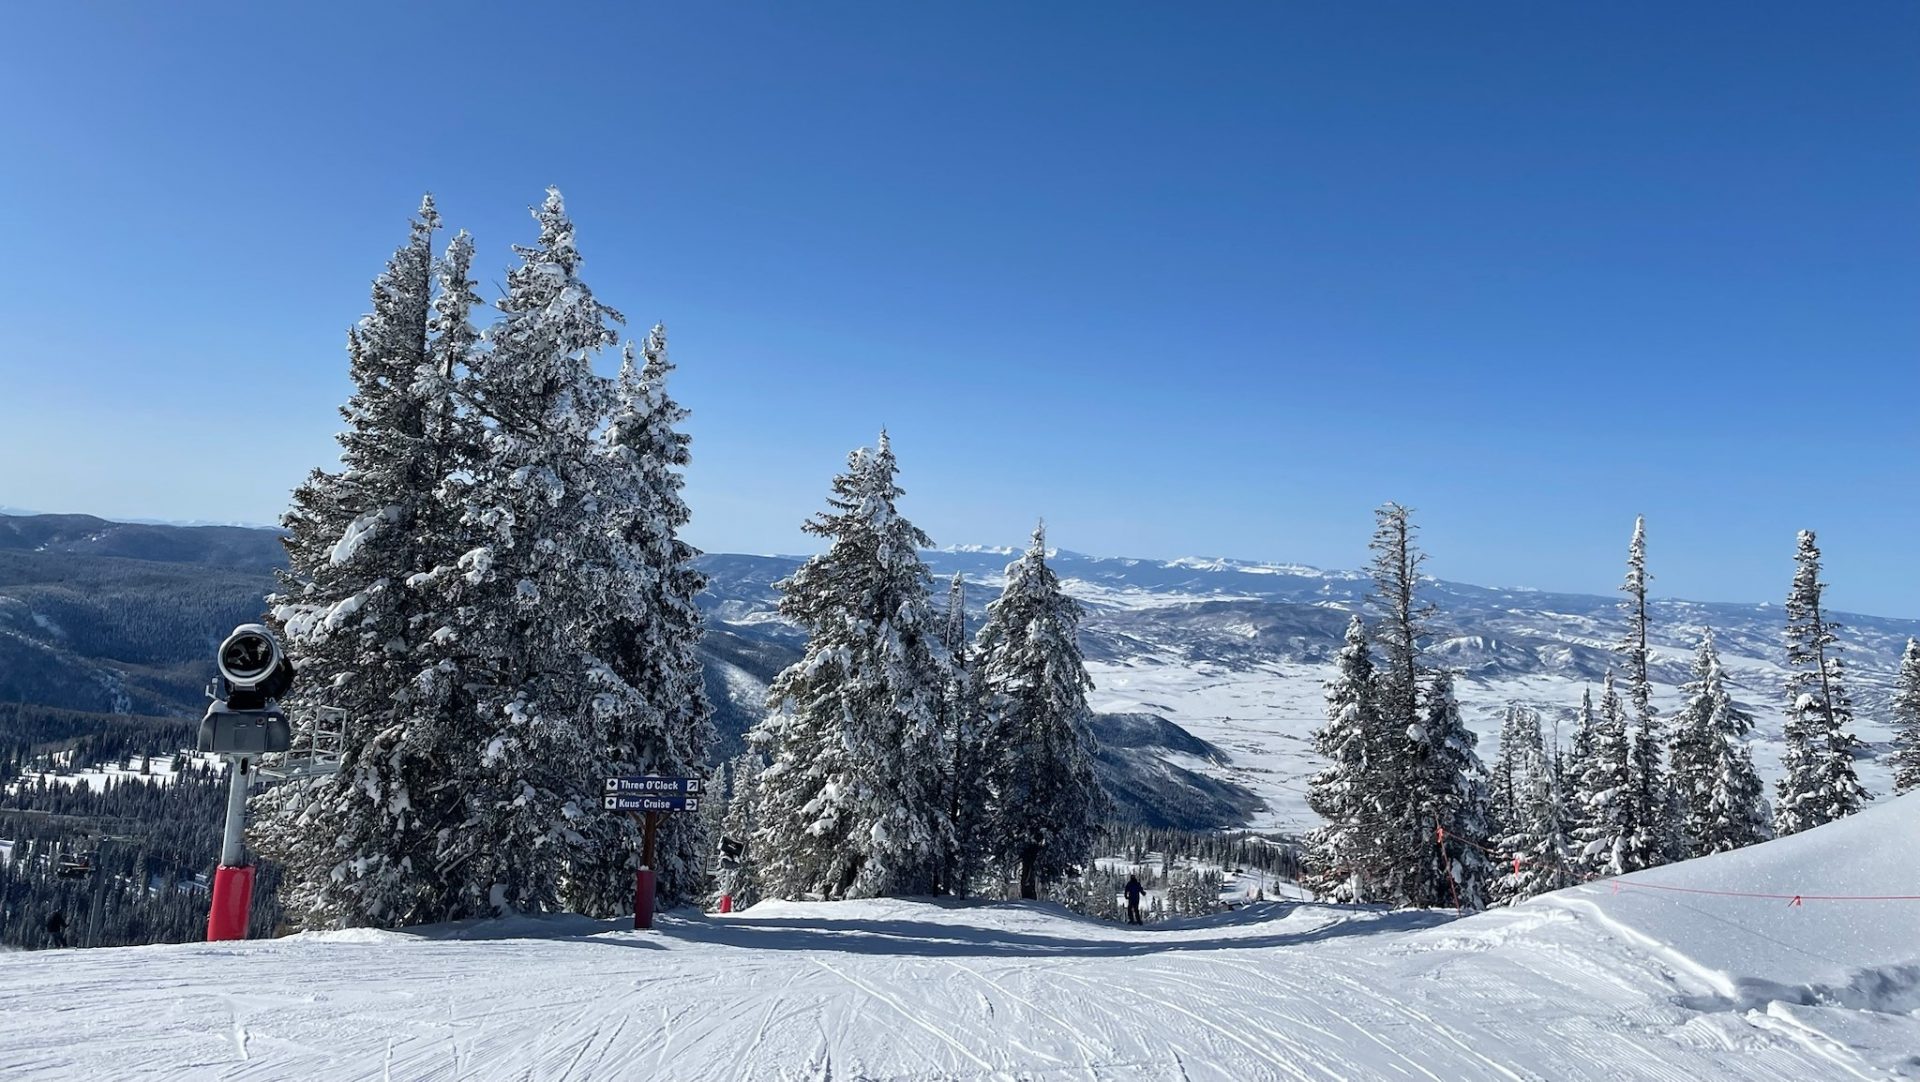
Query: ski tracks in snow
{"type": "Point", "coordinates": [900, 990]}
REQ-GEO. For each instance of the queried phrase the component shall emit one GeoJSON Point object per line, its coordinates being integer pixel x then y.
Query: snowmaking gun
{"type": "Point", "coordinates": [242, 724]}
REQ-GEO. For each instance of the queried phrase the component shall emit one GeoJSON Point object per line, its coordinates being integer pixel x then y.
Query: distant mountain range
{"type": "Point", "coordinates": [1207, 671]}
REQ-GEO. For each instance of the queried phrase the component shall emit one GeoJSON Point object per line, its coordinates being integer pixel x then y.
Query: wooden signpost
{"type": "Point", "coordinates": [647, 797]}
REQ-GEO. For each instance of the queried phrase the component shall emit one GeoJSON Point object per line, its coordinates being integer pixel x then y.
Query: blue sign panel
{"type": "Point", "coordinates": [644, 802]}
{"type": "Point", "coordinates": [654, 783]}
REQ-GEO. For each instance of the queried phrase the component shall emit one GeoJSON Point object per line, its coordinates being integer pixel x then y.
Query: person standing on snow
{"type": "Point", "coordinates": [1134, 891]}
{"type": "Point", "coordinates": [57, 930]}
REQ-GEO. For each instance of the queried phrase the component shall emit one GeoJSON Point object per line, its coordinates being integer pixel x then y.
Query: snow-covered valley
{"type": "Point", "coordinates": [1237, 654]}
{"type": "Point", "coordinates": [1703, 970]}
{"type": "Point", "coordinates": [1233, 652]}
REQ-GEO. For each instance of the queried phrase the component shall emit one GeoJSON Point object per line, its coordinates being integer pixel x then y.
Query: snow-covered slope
{"type": "Point", "coordinates": [1661, 979]}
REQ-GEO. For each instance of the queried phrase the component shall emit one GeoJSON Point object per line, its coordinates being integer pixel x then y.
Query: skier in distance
{"type": "Point", "coordinates": [1134, 891]}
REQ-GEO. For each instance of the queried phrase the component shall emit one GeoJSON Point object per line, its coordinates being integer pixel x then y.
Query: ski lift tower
{"type": "Point", "coordinates": [242, 725]}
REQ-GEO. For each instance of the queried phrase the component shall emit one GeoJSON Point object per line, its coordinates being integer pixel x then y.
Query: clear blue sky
{"type": "Point", "coordinates": [1183, 279]}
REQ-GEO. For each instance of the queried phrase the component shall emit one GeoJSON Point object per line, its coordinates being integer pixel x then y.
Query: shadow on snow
{"type": "Point", "coordinates": [926, 938]}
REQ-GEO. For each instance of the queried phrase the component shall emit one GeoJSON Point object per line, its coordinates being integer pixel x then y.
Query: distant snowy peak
{"type": "Point", "coordinates": [1249, 567]}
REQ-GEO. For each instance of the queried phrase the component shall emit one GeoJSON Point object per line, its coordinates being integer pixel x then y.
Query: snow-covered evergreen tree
{"type": "Point", "coordinates": [1343, 853]}
{"type": "Point", "coordinates": [740, 875]}
{"type": "Point", "coordinates": [1712, 765]}
{"type": "Point", "coordinates": [1406, 839]}
{"type": "Point", "coordinates": [649, 635]}
{"type": "Point", "coordinates": [1047, 805]}
{"type": "Point", "coordinates": [1573, 766]}
{"type": "Point", "coordinates": [1449, 789]}
{"type": "Point", "coordinates": [1906, 721]}
{"type": "Point", "coordinates": [1820, 784]}
{"type": "Point", "coordinates": [1656, 839]}
{"type": "Point", "coordinates": [963, 727]}
{"type": "Point", "coordinates": [850, 802]}
{"type": "Point", "coordinates": [527, 604]}
{"type": "Point", "coordinates": [1540, 846]}
{"type": "Point", "coordinates": [1506, 781]}
{"type": "Point", "coordinates": [1609, 834]}
{"type": "Point", "coordinates": [1403, 616]}
{"type": "Point", "coordinates": [366, 845]}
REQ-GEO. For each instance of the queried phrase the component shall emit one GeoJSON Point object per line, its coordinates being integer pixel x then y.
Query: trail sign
{"type": "Point", "coordinates": [648, 802]}
{"type": "Point", "coordinates": [656, 784]}
{"type": "Point", "coordinates": [646, 797]}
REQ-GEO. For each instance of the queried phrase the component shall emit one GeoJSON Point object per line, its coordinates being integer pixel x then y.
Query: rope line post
{"type": "Point", "coordinates": [1446, 866]}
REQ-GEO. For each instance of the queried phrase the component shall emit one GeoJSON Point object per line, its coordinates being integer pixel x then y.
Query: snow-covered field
{"type": "Point", "coordinates": [157, 769]}
{"type": "Point", "coordinates": [1263, 715]}
{"type": "Point", "coordinates": [1653, 976]}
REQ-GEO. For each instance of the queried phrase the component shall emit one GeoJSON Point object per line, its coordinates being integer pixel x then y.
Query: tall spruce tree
{"type": "Point", "coordinates": [1712, 764]}
{"type": "Point", "coordinates": [365, 845]}
{"type": "Point", "coordinates": [1655, 839]}
{"type": "Point", "coordinates": [963, 728]}
{"type": "Point", "coordinates": [1403, 617]}
{"type": "Point", "coordinates": [1047, 806]}
{"type": "Point", "coordinates": [650, 637]}
{"type": "Point", "coordinates": [740, 874]}
{"type": "Point", "coordinates": [1573, 767]}
{"type": "Point", "coordinates": [1343, 855]}
{"type": "Point", "coordinates": [1611, 837]}
{"type": "Point", "coordinates": [1405, 839]}
{"type": "Point", "coordinates": [1449, 789]}
{"type": "Point", "coordinates": [528, 602]}
{"type": "Point", "coordinates": [1519, 731]}
{"type": "Point", "coordinates": [1539, 846]}
{"type": "Point", "coordinates": [850, 802]}
{"type": "Point", "coordinates": [1820, 784]}
{"type": "Point", "coordinates": [1906, 721]}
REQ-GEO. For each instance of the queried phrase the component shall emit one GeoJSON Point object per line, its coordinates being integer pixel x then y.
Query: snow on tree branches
{"type": "Point", "coordinates": [1712, 765]}
{"type": "Point", "coordinates": [493, 592]}
{"type": "Point", "coordinates": [1820, 783]}
{"type": "Point", "coordinates": [849, 803]}
{"type": "Point", "coordinates": [1047, 806]}
{"type": "Point", "coordinates": [1906, 721]}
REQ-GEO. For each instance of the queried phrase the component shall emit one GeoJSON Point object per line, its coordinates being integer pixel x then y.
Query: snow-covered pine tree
{"type": "Point", "coordinates": [740, 874]}
{"type": "Point", "coordinates": [1607, 827]}
{"type": "Point", "coordinates": [365, 845]}
{"type": "Point", "coordinates": [1656, 837]}
{"type": "Point", "coordinates": [1573, 767]}
{"type": "Point", "coordinates": [1906, 721]}
{"type": "Point", "coordinates": [963, 723]}
{"type": "Point", "coordinates": [1449, 789]}
{"type": "Point", "coordinates": [1540, 847]}
{"type": "Point", "coordinates": [528, 603]}
{"type": "Point", "coordinates": [1712, 764]}
{"type": "Point", "coordinates": [1820, 784]}
{"type": "Point", "coordinates": [1519, 731]}
{"type": "Point", "coordinates": [1405, 840]}
{"type": "Point", "coordinates": [850, 802]}
{"type": "Point", "coordinates": [1403, 616]}
{"type": "Point", "coordinates": [1342, 853]}
{"type": "Point", "coordinates": [651, 636]}
{"type": "Point", "coordinates": [1047, 806]}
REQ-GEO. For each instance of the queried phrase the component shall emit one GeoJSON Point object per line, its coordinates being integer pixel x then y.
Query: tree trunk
{"type": "Point", "coordinates": [1029, 873]}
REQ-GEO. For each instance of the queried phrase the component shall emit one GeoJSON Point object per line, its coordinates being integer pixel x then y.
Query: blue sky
{"type": "Point", "coordinates": [1212, 281]}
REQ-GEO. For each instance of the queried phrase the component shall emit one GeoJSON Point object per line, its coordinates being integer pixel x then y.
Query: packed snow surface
{"type": "Point", "coordinates": [1652, 976]}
